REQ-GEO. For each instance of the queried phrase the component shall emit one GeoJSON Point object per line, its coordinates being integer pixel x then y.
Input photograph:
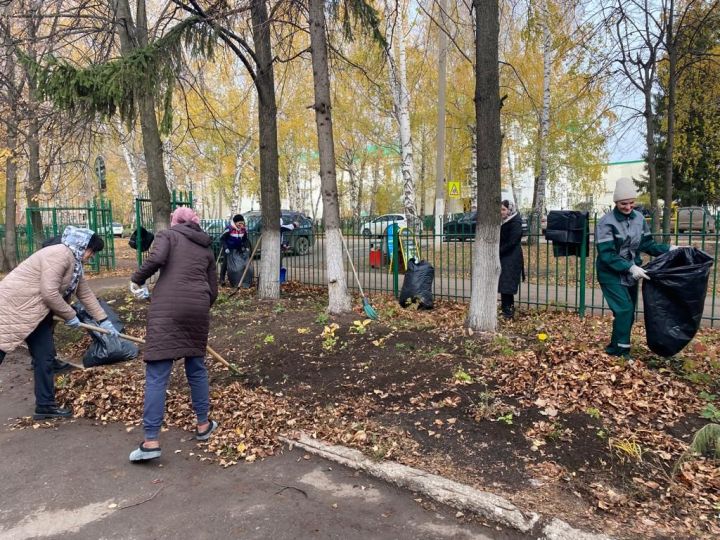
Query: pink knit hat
{"type": "Point", "coordinates": [184, 215]}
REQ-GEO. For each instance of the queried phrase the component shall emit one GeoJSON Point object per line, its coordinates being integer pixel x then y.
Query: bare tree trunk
{"type": "Point", "coordinates": [127, 142]}
{"type": "Point", "coordinates": [167, 164]}
{"type": "Point", "coordinates": [422, 176]}
{"type": "Point", "coordinates": [338, 297]}
{"type": "Point", "coordinates": [9, 260]}
{"type": "Point", "coordinates": [651, 157]}
{"type": "Point", "coordinates": [269, 286]}
{"type": "Point", "coordinates": [672, 53]}
{"type": "Point", "coordinates": [440, 140]}
{"type": "Point", "coordinates": [473, 170]}
{"type": "Point", "coordinates": [131, 35]}
{"type": "Point", "coordinates": [482, 314]}
{"type": "Point", "coordinates": [398, 73]}
{"type": "Point", "coordinates": [541, 182]}
{"type": "Point", "coordinates": [34, 183]}
{"type": "Point", "coordinates": [237, 177]}
{"type": "Point", "coordinates": [375, 183]}
{"type": "Point", "coordinates": [511, 178]}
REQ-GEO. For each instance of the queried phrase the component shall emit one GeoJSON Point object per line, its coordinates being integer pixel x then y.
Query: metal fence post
{"type": "Point", "coordinates": [583, 262]}
{"type": "Point", "coordinates": [396, 263]}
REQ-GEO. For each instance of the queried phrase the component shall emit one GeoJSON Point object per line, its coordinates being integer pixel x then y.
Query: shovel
{"type": "Point", "coordinates": [213, 352]}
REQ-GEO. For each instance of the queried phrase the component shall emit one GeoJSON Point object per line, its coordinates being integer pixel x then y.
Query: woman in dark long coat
{"type": "Point", "coordinates": [511, 257]}
{"type": "Point", "coordinates": [178, 323]}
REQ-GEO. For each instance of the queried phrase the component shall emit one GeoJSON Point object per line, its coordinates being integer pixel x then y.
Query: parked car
{"type": "Point", "coordinates": [117, 229]}
{"type": "Point", "coordinates": [378, 226]}
{"type": "Point", "coordinates": [299, 240]}
{"type": "Point", "coordinates": [461, 229]}
{"type": "Point", "coordinates": [695, 218]}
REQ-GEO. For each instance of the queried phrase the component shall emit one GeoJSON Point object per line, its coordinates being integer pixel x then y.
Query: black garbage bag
{"type": "Point", "coordinates": [236, 263]}
{"type": "Point", "coordinates": [417, 286]}
{"type": "Point", "coordinates": [674, 298]}
{"type": "Point", "coordinates": [146, 238]}
{"type": "Point", "coordinates": [105, 349]}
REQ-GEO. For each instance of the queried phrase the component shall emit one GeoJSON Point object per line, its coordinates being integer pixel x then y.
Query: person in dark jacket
{"type": "Point", "coordinates": [234, 237]}
{"type": "Point", "coordinates": [511, 257]}
{"type": "Point", "coordinates": [620, 236]}
{"type": "Point", "coordinates": [178, 323]}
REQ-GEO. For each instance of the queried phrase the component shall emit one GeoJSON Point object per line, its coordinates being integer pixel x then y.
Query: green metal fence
{"type": "Point", "coordinates": [44, 222]}
{"type": "Point", "coordinates": [144, 216]}
{"type": "Point", "coordinates": [551, 281]}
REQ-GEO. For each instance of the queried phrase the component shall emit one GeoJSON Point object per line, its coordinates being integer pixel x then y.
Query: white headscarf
{"type": "Point", "coordinates": [77, 240]}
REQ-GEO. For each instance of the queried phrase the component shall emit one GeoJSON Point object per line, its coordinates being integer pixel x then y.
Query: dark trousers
{"type": "Point", "coordinates": [42, 349]}
{"type": "Point", "coordinates": [2, 356]}
{"type": "Point", "coordinates": [223, 267]}
{"type": "Point", "coordinates": [507, 304]}
{"type": "Point", "coordinates": [157, 376]}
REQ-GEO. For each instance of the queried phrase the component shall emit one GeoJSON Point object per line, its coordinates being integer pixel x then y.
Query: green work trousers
{"type": "Point", "coordinates": [622, 301]}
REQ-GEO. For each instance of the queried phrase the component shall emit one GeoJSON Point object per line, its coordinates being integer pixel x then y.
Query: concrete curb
{"type": "Point", "coordinates": [460, 496]}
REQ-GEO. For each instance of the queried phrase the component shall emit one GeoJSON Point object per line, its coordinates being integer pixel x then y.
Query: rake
{"type": "Point", "coordinates": [247, 267]}
{"type": "Point", "coordinates": [369, 310]}
{"type": "Point", "coordinates": [210, 350]}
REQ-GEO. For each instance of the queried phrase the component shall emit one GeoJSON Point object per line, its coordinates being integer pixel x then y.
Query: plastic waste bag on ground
{"type": "Point", "coordinates": [418, 283]}
{"type": "Point", "coordinates": [236, 263]}
{"type": "Point", "coordinates": [674, 298]}
{"type": "Point", "coordinates": [105, 349]}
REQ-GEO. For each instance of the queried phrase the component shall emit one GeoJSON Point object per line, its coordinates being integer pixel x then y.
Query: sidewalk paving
{"type": "Point", "coordinates": [73, 480]}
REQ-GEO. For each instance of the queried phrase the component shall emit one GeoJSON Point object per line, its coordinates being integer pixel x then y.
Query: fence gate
{"type": "Point", "coordinates": [43, 222]}
{"type": "Point", "coordinates": [144, 215]}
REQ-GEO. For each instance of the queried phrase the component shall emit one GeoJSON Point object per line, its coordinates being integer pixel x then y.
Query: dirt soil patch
{"type": "Point", "coordinates": [536, 413]}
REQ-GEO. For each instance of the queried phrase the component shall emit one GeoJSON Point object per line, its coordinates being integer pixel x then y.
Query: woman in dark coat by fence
{"type": "Point", "coordinates": [178, 323]}
{"type": "Point", "coordinates": [511, 257]}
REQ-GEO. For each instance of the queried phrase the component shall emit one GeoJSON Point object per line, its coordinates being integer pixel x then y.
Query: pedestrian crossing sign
{"type": "Point", "coordinates": [454, 190]}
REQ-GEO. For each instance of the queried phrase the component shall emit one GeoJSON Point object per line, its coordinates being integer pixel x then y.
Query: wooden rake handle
{"type": "Point", "coordinates": [134, 339]}
{"type": "Point", "coordinates": [247, 267]}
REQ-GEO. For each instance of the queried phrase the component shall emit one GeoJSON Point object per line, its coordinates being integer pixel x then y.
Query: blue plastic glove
{"type": "Point", "coordinates": [107, 325]}
{"type": "Point", "coordinates": [73, 323]}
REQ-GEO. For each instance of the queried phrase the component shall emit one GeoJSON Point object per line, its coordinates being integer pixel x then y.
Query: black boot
{"type": "Point", "coordinates": [507, 303]}
{"type": "Point", "coordinates": [51, 411]}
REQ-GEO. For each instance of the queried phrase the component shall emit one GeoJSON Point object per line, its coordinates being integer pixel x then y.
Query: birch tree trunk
{"type": "Point", "coordinates": [482, 313]}
{"type": "Point", "coordinates": [440, 140]}
{"type": "Point", "coordinates": [269, 286]}
{"type": "Point", "coordinates": [541, 183]}
{"type": "Point", "coordinates": [167, 164]}
{"type": "Point", "coordinates": [398, 73]}
{"type": "Point", "coordinates": [338, 297]}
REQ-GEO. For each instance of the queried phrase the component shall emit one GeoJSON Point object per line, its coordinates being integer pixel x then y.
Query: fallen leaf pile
{"type": "Point", "coordinates": [419, 388]}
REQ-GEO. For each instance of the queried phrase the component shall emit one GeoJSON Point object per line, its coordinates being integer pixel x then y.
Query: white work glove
{"type": "Point", "coordinates": [107, 325]}
{"type": "Point", "coordinates": [141, 293]}
{"type": "Point", "coordinates": [227, 250]}
{"type": "Point", "coordinates": [73, 323]}
{"type": "Point", "coordinates": [636, 272]}
{"type": "Point", "coordinates": [673, 247]}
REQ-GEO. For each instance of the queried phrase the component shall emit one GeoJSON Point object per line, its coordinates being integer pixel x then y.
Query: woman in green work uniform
{"type": "Point", "coordinates": [620, 236]}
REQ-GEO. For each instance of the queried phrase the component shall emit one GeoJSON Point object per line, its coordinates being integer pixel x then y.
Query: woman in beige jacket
{"type": "Point", "coordinates": [39, 288]}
